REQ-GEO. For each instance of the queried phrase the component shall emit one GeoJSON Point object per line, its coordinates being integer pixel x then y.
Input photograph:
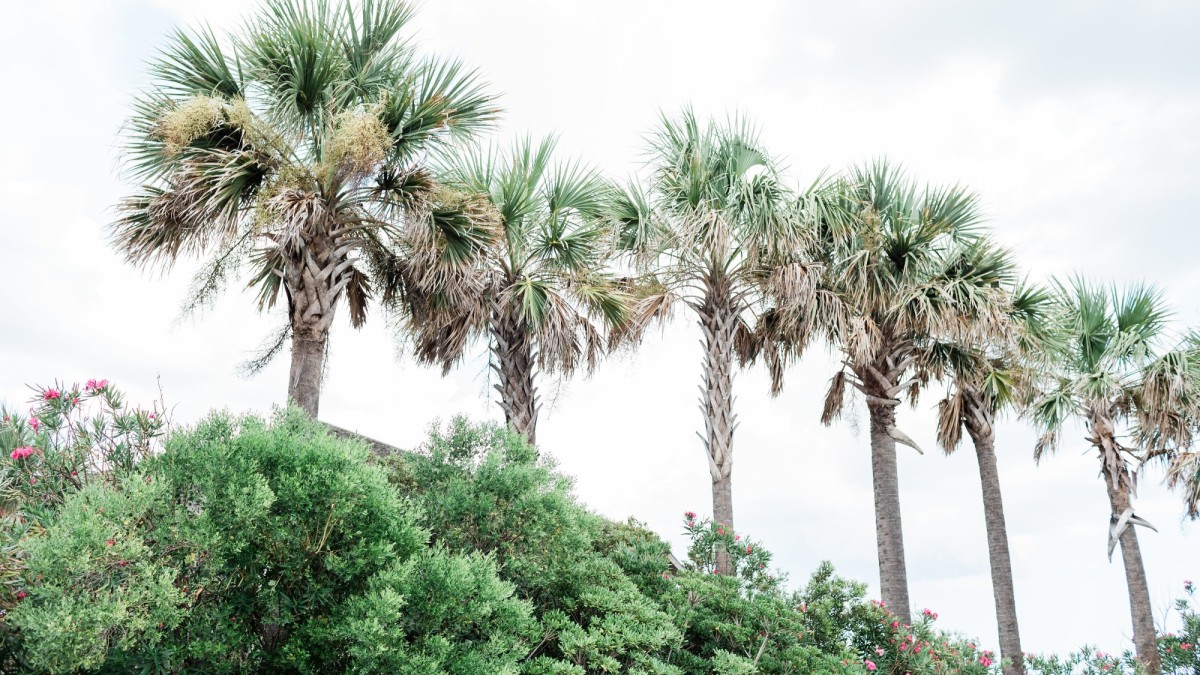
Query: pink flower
{"type": "Point", "coordinates": [1185, 645]}
{"type": "Point", "coordinates": [690, 515]}
{"type": "Point", "coordinates": [20, 595]}
{"type": "Point", "coordinates": [95, 386]}
{"type": "Point", "coordinates": [21, 453]}
{"type": "Point", "coordinates": [123, 563]}
{"type": "Point", "coordinates": [870, 664]}
{"type": "Point", "coordinates": [51, 394]}
{"type": "Point", "coordinates": [720, 530]}
{"type": "Point", "coordinates": [737, 537]}
{"type": "Point", "coordinates": [879, 651]}
{"type": "Point", "coordinates": [749, 549]}
{"type": "Point", "coordinates": [35, 423]}
{"type": "Point", "coordinates": [151, 415]}
{"type": "Point", "coordinates": [985, 661]}
{"type": "Point", "coordinates": [32, 480]}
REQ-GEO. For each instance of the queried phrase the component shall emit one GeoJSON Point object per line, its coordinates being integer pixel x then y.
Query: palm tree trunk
{"type": "Point", "coordinates": [513, 361]}
{"type": "Point", "coordinates": [304, 380]}
{"type": "Point", "coordinates": [1140, 609]}
{"type": "Point", "coordinates": [982, 433]}
{"type": "Point", "coordinates": [314, 279]}
{"type": "Point", "coordinates": [718, 321]}
{"type": "Point", "coordinates": [889, 535]}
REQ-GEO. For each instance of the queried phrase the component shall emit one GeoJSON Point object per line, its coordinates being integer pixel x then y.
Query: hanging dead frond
{"type": "Point", "coordinates": [358, 295]}
{"type": "Point", "coordinates": [1183, 474]}
{"type": "Point", "coordinates": [834, 398]}
{"type": "Point", "coordinates": [1047, 442]}
{"type": "Point", "coordinates": [951, 416]}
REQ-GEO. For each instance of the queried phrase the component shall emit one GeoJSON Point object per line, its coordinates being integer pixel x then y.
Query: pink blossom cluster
{"type": "Point", "coordinates": [95, 386]}
{"type": "Point", "coordinates": [51, 394]}
{"type": "Point", "coordinates": [21, 453]}
{"type": "Point", "coordinates": [930, 613]}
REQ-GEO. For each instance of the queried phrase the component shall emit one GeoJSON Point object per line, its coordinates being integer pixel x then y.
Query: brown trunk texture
{"type": "Point", "coordinates": [983, 436]}
{"type": "Point", "coordinates": [718, 320]}
{"type": "Point", "coordinates": [513, 361]}
{"type": "Point", "coordinates": [314, 277]}
{"type": "Point", "coordinates": [1140, 609]}
{"type": "Point", "coordinates": [304, 383]}
{"type": "Point", "coordinates": [889, 535]}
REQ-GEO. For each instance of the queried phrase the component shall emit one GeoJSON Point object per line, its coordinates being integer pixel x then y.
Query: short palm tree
{"type": "Point", "coordinates": [990, 373]}
{"type": "Point", "coordinates": [1134, 394]}
{"type": "Point", "coordinates": [714, 223]}
{"type": "Point", "coordinates": [545, 296]}
{"type": "Point", "coordinates": [296, 147]}
{"type": "Point", "coordinates": [903, 271]}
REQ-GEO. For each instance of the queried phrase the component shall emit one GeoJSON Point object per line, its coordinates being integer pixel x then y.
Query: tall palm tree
{"type": "Point", "coordinates": [1133, 392]}
{"type": "Point", "coordinates": [901, 271]}
{"type": "Point", "coordinates": [989, 374]}
{"type": "Point", "coordinates": [545, 296]}
{"type": "Point", "coordinates": [714, 223]}
{"type": "Point", "coordinates": [295, 147]}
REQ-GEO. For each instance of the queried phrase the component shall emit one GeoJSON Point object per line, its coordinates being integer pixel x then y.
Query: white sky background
{"type": "Point", "coordinates": [1077, 122]}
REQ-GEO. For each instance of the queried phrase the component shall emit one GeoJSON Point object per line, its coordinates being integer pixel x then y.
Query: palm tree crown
{"type": "Point", "coordinates": [545, 295]}
{"type": "Point", "coordinates": [295, 147]}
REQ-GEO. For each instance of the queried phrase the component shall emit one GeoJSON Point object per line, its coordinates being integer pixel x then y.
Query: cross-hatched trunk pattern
{"type": "Point", "coordinates": [314, 277]}
{"type": "Point", "coordinates": [513, 362]}
{"type": "Point", "coordinates": [718, 322]}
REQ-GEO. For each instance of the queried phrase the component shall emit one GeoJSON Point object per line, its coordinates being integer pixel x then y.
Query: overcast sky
{"type": "Point", "coordinates": [1078, 123]}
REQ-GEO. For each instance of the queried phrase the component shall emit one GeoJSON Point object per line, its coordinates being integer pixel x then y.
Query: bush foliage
{"type": "Point", "coordinates": [269, 545]}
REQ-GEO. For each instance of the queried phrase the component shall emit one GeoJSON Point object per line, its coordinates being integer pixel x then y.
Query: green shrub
{"type": "Point", "coordinates": [482, 488]}
{"type": "Point", "coordinates": [251, 545]}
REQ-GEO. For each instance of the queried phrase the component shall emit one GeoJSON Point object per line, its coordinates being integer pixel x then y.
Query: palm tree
{"type": "Point", "coordinates": [296, 147]}
{"type": "Point", "coordinates": [901, 271]}
{"type": "Point", "coordinates": [989, 375]}
{"type": "Point", "coordinates": [715, 223]}
{"type": "Point", "coordinates": [1135, 399]}
{"type": "Point", "coordinates": [544, 296]}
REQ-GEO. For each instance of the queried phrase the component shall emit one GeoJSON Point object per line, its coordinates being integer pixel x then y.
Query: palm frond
{"type": "Point", "coordinates": [198, 65]}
